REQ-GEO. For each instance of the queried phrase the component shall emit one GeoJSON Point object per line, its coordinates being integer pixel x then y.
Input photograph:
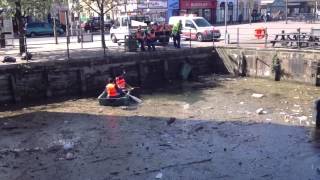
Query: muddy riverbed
{"type": "Point", "coordinates": [217, 128]}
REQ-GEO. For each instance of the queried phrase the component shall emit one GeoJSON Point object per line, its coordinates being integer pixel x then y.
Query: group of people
{"type": "Point", "coordinates": [149, 36]}
{"type": "Point", "coordinates": [116, 87]}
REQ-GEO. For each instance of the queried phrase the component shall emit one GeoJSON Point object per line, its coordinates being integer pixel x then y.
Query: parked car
{"type": "Point", "coordinates": [41, 28]}
{"type": "Point", "coordinates": [196, 28]}
{"type": "Point", "coordinates": [93, 24]}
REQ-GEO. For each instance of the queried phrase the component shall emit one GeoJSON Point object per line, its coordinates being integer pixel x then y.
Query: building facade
{"type": "Point", "coordinates": [204, 8]}
{"type": "Point", "coordinates": [238, 10]}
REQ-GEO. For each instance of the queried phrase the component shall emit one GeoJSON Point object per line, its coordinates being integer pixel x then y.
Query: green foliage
{"type": "Point", "coordinates": [36, 8]}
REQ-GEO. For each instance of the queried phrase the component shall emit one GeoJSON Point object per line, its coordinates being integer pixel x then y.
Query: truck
{"type": "Point", "coordinates": [127, 25]}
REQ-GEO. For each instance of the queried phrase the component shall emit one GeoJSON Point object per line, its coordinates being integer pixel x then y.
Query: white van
{"type": "Point", "coordinates": [199, 28]}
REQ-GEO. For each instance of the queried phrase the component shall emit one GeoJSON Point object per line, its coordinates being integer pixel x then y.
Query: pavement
{"type": "Point", "coordinates": [44, 48]}
{"type": "Point", "coordinates": [208, 129]}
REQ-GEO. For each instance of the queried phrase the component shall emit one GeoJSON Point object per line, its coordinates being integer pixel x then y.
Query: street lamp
{"type": "Point", "coordinates": [286, 11]}
{"type": "Point", "coordinates": [225, 20]}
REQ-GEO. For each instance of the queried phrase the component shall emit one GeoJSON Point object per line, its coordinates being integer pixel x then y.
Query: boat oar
{"type": "Point", "coordinates": [135, 98]}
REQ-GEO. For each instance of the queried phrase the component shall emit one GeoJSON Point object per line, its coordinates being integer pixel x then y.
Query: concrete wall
{"type": "Point", "coordinates": [297, 65]}
{"type": "Point", "coordinates": [41, 80]}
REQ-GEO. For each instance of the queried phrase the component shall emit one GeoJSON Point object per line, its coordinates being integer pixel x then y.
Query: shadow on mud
{"type": "Point", "coordinates": [138, 147]}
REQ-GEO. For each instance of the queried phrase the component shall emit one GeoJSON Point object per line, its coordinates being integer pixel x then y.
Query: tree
{"type": "Point", "coordinates": [23, 8]}
{"type": "Point", "coordinates": [102, 7]}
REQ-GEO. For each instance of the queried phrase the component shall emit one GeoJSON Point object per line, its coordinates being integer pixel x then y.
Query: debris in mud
{"type": "Point", "coordinates": [70, 156]}
{"type": "Point", "coordinates": [268, 119]}
{"type": "Point", "coordinates": [257, 95]}
{"type": "Point", "coordinates": [171, 120]}
{"type": "Point", "coordinates": [186, 106]}
{"type": "Point", "coordinates": [68, 146]}
{"type": "Point", "coordinates": [9, 127]}
{"type": "Point", "coordinates": [159, 175]}
{"type": "Point", "coordinates": [129, 108]}
{"type": "Point", "coordinates": [241, 103]}
{"type": "Point", "coordinates": [54, 148]}
{"type": "Point", "coordinates": [261, 111]}
{"type": "Point", "coordinates": [199, 128]}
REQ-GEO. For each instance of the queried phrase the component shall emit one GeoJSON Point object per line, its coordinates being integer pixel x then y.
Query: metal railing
{"type": "Point", "coordinates": [88, 45]}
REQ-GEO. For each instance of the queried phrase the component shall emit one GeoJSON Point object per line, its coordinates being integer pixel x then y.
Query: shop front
{"type": "Point", "coordinates": [203, 8]}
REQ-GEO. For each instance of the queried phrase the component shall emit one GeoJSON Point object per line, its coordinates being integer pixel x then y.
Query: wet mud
{"type": "Point", "coordinates": [208, 129]}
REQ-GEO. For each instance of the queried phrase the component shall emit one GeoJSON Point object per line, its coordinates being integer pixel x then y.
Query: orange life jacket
{"type": "Point", "coordinates": [111, 90]}
{"type": "Point", "coordinates": [121, 83]}
{"type": "Point", "coordinates": [152, 35]}
{"type": "Point", "coordinates": [139, 35]}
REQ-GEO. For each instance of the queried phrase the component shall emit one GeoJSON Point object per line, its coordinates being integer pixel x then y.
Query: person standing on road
{"type": "Point", "coordinates": [176, 34]}
{"type": "Point", "coordinates": [151, 39]}
{"type": "Point", "coordinates": [140, 38]}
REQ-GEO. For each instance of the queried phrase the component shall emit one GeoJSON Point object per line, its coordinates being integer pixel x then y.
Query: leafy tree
{"type": "Point", "coordinates": [23, 8]}
{"type": "Point", "coordinates": [102, 7]}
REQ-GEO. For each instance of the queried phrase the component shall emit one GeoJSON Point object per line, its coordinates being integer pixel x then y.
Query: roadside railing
{"type": "Point", "coordinates": [87, 44]}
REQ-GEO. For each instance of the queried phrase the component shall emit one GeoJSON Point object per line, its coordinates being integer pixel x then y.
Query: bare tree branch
{"type": "Point", "coordinates": [98, 4]}
{"type": "Point", "coordinates": [91, 7]}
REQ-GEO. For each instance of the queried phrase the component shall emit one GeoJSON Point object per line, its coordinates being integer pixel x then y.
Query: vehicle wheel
{"type": "Point", "coordinates": [114, 39]}
{"type": "Point", "coordinates": [32, 34]}
{"type": "Point", "coordinates": [200, 37]}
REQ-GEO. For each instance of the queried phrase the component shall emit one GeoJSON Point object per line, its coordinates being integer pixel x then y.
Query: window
{"type": "Point", "coordinates": [189, 24]}
{"type": "Point", "coordinates": [125, 21]}
{"type": "Point", "coordinates": [202, 23]}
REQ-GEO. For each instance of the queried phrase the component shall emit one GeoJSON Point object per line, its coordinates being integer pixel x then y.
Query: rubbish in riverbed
{"type": "Point", "coordinates": [129, 108]}
{"type": "Point", "coordinates": [70, 156]}
{"type": "Point", "coordinates": [171, 120]}
{"type": "Point", "coordinates": [241, 103]}
{"type": "Point", "coordinates": [261, 111]}
{"type": "Point", "coordinates": [159, 175]}
{"type": "Point", "coordinates": [257, 95]}
{"type": "Point", "coordinates": [68, 146]}
{"type": "Point", "coordinates": [199, 128]}
{"type": "Point", "coordinates": [268, 119]}
{"type": "Point", "coordinates": [186, 106]}
{"type": "Point", "coordinates": [302, 118]}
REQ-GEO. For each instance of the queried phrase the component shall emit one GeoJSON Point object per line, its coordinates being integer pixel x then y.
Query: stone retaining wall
{"type": "Point", "coordinates": [296, 65]}
{"type": "Point", "coordinates": [41, 80]}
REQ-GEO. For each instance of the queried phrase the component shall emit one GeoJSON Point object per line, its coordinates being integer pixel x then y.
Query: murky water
{"type": "Point", "coordinates": [201, 130]}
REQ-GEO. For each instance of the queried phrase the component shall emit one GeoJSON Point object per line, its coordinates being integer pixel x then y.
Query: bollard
{"type": "Point", "coordinates": [213, 39]}
{"type": "Point", "coordinates": [228, 38]}
{"type": "Point", "coordinates": [299, 33]}
{"type": "Point", "coordinates": [238, 43]}
{"type": "Point", "coordinates": [317, 113]}
{"type": "Point", "coordinates": [265, 38]}
{"type": "Point", "coordinates": [190, 39]}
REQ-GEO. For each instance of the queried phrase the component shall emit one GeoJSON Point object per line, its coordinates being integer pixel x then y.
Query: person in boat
{"type": "Point", "coordinates": [112, 90]}
{"type": "Point", "coordinates": [121, 82]}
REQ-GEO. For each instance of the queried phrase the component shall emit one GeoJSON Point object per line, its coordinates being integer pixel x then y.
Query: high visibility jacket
{"type": "Point", "coordinates": [111, 90]}
{"type": "Point", "coordinates": [177, 29]}
{"type": "Point", "coordinates": [151, 36]}
{"type": "Point", "coordinates": [121, 83]}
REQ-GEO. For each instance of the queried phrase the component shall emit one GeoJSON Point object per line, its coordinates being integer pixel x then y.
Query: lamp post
{"type": "Point", "coordinates": [225, 21]}
{"type": "Point", "coordinates": [286, 11]}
